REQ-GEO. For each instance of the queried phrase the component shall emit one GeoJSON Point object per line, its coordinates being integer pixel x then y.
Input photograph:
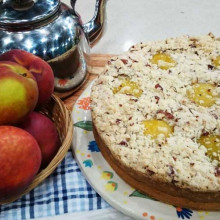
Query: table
{"type": "Point", "coordinates": [129, 22]}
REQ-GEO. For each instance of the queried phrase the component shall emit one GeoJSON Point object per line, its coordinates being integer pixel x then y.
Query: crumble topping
{"type": "Point", "coordinates": [165, 93]}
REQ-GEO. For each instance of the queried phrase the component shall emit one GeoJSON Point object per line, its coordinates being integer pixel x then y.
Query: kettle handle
{"type": "Point", "coordinates": [73, 2]}
{"type": "Point", "coordinates": [94, 27]}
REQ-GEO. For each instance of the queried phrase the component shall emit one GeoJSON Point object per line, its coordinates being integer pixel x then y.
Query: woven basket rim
{"type": "Point", "coordinates": [43, 174]}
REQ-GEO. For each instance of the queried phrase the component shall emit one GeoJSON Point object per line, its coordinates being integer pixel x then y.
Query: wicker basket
{"type": "Point", "coordinates": [60, 115]}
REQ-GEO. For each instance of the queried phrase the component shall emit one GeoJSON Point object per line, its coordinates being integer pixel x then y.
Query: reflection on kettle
{"type": "Point", "coordinates": [52, 30]}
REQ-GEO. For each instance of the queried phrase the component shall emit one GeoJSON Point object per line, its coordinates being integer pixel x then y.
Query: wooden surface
{"type": "Point", "coordinates": [96, 65]}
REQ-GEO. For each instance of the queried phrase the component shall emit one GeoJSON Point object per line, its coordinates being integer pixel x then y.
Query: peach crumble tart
{"type": "Point", "coordinates": [156, 118]}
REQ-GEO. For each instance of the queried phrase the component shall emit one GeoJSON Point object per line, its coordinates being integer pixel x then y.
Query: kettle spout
{"type": "Point", "coordinates": [94, 27]}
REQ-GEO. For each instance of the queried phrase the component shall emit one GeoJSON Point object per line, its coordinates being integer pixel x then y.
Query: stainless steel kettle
{"type": "Point", "coordinates": [52, 30]}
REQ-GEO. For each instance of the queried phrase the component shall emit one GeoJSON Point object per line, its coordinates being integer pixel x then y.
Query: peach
{"type": "Point", "coordinates": [20, 160]}
{"type": "Point", "coordinates": [38, 67]}
{"type": "Point", "coordinates": [45, 132]}
{"type": "Point", "coordinates": [18, 93]}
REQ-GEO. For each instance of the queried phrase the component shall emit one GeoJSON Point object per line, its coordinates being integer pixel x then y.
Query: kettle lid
{"type": "Point", "coordinates": [17, 13]}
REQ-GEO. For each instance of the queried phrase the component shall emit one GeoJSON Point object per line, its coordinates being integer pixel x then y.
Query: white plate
{"type": "Point", "coordinates": [109, 185]}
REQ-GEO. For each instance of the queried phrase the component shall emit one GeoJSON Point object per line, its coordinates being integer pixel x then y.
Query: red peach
{"type": "Point", "coordinates": [20, 160]}
{"type": "Point", "coordinates": [45, 132]}
{"type": "Point", "coordinates": [38, 67]}
{"type": "Point", "coordinates": [18, 93]}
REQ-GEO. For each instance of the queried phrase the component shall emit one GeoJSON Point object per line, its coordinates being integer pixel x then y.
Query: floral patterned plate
{"type": "Point", "coordinates": [109, 185]}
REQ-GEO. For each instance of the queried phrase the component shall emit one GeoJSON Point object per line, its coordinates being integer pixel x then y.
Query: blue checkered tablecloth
{"type": "Point", "coordinates": [64, 191]}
